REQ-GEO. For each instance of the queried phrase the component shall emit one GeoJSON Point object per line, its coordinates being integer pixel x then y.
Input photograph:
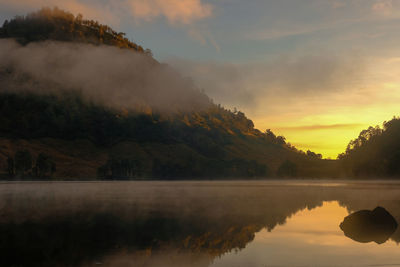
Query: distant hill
{"type": "Point", "coordinates": [375, 153]}
{"type": "Point", "coordinates": [56, 24]}
{"type": "Point", "coordinates": [86, 139]}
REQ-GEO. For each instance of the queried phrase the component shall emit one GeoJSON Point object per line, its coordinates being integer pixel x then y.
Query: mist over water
{"type": "Point", "coordinates": [117, 78]}
{"type": "Point", "coordinates": [190, 223]}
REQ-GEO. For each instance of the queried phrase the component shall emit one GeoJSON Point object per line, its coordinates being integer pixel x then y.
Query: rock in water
{"type": "Point", "coordinates": [366, 226]}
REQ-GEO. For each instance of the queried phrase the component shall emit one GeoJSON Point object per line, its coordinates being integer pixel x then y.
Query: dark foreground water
{"type": "Point", "coordinates": [167, 224]}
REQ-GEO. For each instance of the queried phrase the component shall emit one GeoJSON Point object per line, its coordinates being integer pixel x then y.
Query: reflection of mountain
{"type": "Point", "coordinates": [149, 223]}
{"type": "Point", "coordinates": [198, 221]}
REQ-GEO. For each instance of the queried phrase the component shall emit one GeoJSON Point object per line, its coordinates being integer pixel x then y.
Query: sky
{"type": "Point", "coordinates": [315, 71]}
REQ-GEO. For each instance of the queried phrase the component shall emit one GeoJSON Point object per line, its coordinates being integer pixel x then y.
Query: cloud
{"type": "Point", "coordinates": [384, 7]}
{"type": "Point", "coordinates": [224, 82]}
{"type": "Point", "coordinates": [275, 33]}
{"type": "Point", "coordinates": [74, 6]}
{"type": "Point", "coordinates": [247, 86]}
{"type": "Point", "coordinates": [318, 127]}
{"type": "Point", "coordinates": [338, 4]}
{"type": "Point", "coordinates": [316, 73]}
{"type": "Point", "coordinates": [174, 11]}
{"type": "Point", "coordinates": [329, 17]}
{"type": "Point", "coordinates": [117, 78]}
{"type": "Point", "coordinates": [204, 38]}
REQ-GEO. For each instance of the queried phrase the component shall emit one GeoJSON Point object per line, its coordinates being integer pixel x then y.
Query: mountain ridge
{"type": "Point", "coordinates": [208, 142]}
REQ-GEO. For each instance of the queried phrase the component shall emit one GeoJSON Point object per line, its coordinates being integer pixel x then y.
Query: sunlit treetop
{"type": "Point", "coordinates": [56, 24]}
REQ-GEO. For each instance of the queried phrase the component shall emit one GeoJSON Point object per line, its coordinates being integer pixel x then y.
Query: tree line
{"type": "Point", "coordinates": [207, 133]}
{"type": "Point", "coordinates": [23, 165]}
{"type": "Point", "coordinates": [126, 169]}
{"type": "Point", "coordinates": [57, 24]}
{"type": "Point", "coordinates": [375, 152]}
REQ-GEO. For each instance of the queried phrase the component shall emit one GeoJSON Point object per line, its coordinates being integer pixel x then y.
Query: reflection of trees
{"type": "Point", "coordinates": [75, 224]}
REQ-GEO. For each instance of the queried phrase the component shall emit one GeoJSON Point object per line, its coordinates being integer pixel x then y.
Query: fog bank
{"type": "Point", "coordinates": [115, 77]}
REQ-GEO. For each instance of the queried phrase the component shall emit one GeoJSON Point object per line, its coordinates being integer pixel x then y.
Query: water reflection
{"type": "Point", "coordinates": [188, 224]}
{"type": "Point", "coordinates": [311, 238]}
{"type": "Point", "coordinates": [366, 226]}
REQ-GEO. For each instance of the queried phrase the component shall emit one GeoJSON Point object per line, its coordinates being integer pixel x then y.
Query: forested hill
{"type": "Point", "coordinates": [56, 24]}
{"type": "Point", "coordinates": [62, 129]}
{"type": "Point", "coordinates": [375, 153]}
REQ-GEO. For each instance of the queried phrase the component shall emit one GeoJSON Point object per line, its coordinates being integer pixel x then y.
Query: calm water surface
{"type": "Point", "coordinates": [216, 224]}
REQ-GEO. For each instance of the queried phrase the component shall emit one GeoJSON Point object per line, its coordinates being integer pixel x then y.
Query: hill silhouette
{"type": "Point", "coordinates": [375, 152]}
{"type": "Point", "coordinates": [99, 105]}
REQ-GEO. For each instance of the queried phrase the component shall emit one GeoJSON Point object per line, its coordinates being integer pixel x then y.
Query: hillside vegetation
{"type": "Point", "coordinates": [86, 139]}
{"type": "Point", "coordinates": [56, 24]}
{"type": "Point", "coordinates": [375, 153]}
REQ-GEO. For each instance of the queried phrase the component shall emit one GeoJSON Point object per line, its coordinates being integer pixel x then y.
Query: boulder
{"type": "Point", "coordinates": [366, 226]}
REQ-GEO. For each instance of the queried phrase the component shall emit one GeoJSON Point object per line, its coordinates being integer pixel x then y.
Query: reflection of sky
{"type": "Point", "coordinates": [312, 238]}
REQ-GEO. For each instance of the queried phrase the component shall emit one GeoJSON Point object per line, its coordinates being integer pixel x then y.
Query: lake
{"type": "Point", "coordinates": [216, 224]}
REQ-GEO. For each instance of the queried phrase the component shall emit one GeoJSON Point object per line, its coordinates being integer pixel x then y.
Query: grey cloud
{"type": "Point", "coordinates": [317, 73]}
{"type": "Point", "coordinates": [225, 83]}
{"type": "Point", "coordinates": [243, 85]}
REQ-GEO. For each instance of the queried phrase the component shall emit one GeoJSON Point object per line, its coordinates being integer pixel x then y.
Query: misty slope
{"type": "Point", "coordinates": [135, 116]}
